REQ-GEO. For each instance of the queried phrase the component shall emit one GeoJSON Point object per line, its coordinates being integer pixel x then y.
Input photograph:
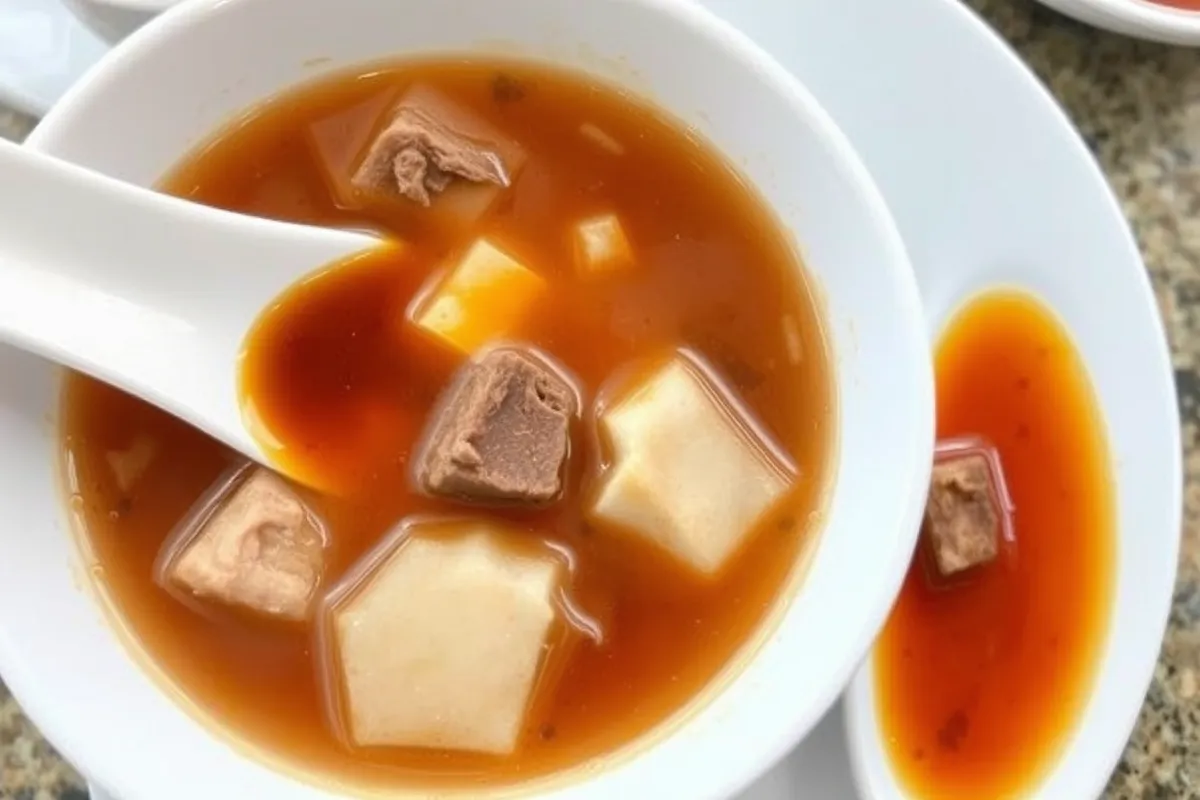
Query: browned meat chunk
{"type": "Point", "coordinates": [259, 549]}
{"type": "Point", "coordinates": [962, 522]}
{"type": "Point", "coordinates": [418, 156]}
{"type": "Point", "coordinates": [502, 433]}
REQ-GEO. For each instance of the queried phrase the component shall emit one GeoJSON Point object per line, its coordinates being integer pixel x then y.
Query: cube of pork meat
{"type": "Point", "coordinates": [259, 550]}
{"type": "Point", "coordinates": [418, 155]}
{"type": "Point", "coordinates": [502, 433]}
{"type": "Point", "coordinates": [962, 522]}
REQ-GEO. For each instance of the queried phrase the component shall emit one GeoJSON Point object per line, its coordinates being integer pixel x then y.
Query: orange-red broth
{"type": "Point", "coordinates": [980, 682]}
{"type": "Point", "coordinates": [342, 383]}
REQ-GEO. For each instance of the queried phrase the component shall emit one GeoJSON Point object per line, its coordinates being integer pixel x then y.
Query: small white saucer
{"type": "Point", "coordinates": [937, 128]}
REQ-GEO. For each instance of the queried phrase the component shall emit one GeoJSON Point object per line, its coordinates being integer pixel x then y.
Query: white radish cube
{"type": "Point", "coordinates": [486, 296]}
{"type": "Point", "coordinates": [601, 246]}
{"type": "Point", "coordinates": [443, 645]}
{"type": "Point", "coordinates": [687, 473]}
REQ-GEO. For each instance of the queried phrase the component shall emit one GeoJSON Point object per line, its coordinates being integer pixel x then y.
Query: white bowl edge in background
{"type": "Point", "coordinates": [1140, 19]}
{"type": "Point", "coordinates": [142, 6]}
{"type": "Point", "coordinates": [110, 23]}
{"type": "Point", "coordinates": [43, 50]}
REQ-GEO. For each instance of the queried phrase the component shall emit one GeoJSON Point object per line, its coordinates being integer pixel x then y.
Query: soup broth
{"type": "Point", "coordinates": [342, 379]}
{"type": "Point", "coordinates": [979, 682]}
{"type": "Point", "coordinates": [1183, 5]}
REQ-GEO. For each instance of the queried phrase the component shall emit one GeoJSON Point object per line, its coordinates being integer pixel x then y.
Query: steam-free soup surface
{"type": "Point", "coordinates": [340, 378]}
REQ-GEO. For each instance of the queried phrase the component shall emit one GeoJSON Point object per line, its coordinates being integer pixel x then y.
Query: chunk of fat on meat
{"type": "Point", "coordinates": [371, 152]}
{"type": "Point", "coordinates": [442, 642]}
{"type": "Point", "coordinates": [130, 463]}
{"type": "Point", "coordinates": [601, 246]}
{"type": "Point", "coordinates": [485, 296]}
{"type": "Point", "coordinates": [690, 471]}
{"type": "Point", "coordinates": [254, 545]}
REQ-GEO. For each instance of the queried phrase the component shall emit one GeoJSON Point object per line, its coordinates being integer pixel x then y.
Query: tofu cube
{"type": "Point", "coordinates": [254, 545]}
{"type": "Point", "coordinates": [687, 473]}
{"type": "Point", "coordinates": [601, 246]}
{"type": "Point", "coordinates": [962, 519]}
{"type": "Point", "coordinates": [486, 296]}
{"type": "Point", "coordinates": [502, 433]}
{"type": "Point", "coordinates": [441, 644]}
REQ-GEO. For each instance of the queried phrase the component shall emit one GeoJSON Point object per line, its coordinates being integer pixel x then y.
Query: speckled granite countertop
{"type": "Point", "coordinates": [1138, 105]}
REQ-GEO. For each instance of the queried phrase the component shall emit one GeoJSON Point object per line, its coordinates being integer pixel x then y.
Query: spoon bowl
{"type": "Point", "coordinates": [149, 293]}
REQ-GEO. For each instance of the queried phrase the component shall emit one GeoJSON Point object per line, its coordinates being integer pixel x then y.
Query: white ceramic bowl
{"type": "Point", "coordinates": [1138, 18]}
{"type": "Point", "coordinates": [175, 81]}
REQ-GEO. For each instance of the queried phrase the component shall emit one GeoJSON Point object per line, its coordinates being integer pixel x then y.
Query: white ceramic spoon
{"type": "Point", "coordinates": [149, 293]}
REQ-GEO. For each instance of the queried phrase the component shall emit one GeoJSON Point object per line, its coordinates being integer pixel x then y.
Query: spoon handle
{"type": "Point", "coordinates": [149, 293]}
